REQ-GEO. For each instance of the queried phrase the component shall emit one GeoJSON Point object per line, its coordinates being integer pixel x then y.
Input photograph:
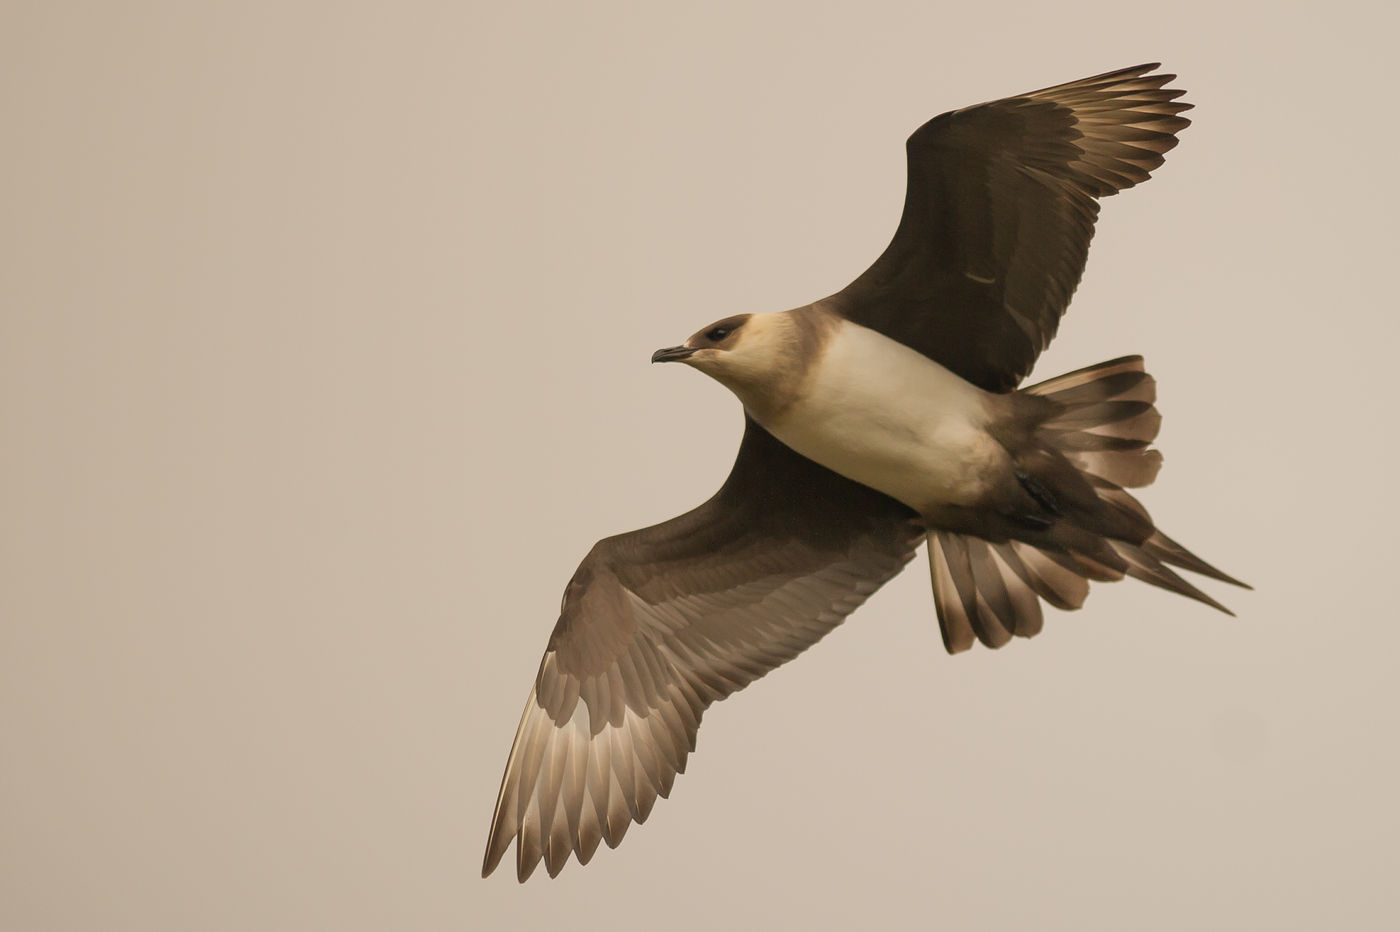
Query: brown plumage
{"type": "Point", "coordinates": [998, 213]}
{"type": "Point", "coordinates": [1093, 430]}
{"type": "Point", "coordinates": [659, 623]}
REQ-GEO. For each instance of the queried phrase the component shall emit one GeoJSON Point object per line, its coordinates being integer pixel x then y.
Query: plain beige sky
{"type": "Point", "coordinates": [323, 360]}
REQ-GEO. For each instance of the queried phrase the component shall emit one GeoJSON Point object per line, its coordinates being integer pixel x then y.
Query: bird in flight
{"type": "Point", "coordinates": [878, 418]}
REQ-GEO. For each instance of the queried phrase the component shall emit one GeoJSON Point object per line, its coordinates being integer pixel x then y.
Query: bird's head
{"type": "Point", "coordinates": [721, 338]}
{"type": "Point", "coordinates": [732, 351]}
{"type": "Point", "coordinates": [756, 356]}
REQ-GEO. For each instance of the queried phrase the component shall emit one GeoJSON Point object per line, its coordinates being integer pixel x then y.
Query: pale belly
{"type": "Point", "coordinates": [923, 466]}
{"type": "Point", "coordinates": [890, 418]}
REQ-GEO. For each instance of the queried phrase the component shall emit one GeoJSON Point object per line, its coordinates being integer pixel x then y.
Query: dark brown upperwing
{"type": "Point", "coordinates": [659, 623]}
{"type": "Point", "coordinates": [998, 213]}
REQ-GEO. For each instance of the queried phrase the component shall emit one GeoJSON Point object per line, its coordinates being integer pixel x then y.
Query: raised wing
{"type": "Point", "coordinates": [659, 623]}
{"type": "Point", "coordinates": [998, 214]}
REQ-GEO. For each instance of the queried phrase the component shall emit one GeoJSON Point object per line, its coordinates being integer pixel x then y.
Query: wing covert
{"type": "Point", "coordinates": [998, 214]}
{"type": "Point", "coordinates": [659, 623]}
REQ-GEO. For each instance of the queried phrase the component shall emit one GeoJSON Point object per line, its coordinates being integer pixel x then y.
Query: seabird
{"type": "Point", "coordinates": [883, 416]}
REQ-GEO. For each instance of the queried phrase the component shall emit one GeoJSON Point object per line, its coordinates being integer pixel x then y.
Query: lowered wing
{"type": "Point", "coordinates": [659, 623]}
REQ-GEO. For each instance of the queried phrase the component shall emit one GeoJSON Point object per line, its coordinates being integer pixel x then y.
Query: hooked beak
{"type": "Point", "coordinates": [672, 354]}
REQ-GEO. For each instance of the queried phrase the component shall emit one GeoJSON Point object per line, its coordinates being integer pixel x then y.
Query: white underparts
{"type": "Point", "coordinates": [888, 417]}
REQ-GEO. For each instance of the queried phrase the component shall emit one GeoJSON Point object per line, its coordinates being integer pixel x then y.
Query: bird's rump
{"type": "Point", "coordinates": [1091, 444]}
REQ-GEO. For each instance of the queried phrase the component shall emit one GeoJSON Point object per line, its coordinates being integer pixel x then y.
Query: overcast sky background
{"type": "Point", "coordinates": [323, 360]}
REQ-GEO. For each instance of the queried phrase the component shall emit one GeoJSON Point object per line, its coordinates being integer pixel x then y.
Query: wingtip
{"type": "Point", "coordinates": [524, 867]}
{"type": "Point", "coordinates": [1131, 71]}
{"type": "Point", "coordinates": [493, 860]}
{"type": "Point", "coordinates": [489, 863]}
{"type": "Point", "coordinates": [1146, 69]}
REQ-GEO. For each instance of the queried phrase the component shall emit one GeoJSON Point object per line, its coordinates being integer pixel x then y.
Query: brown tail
{"type": "Point", "coordinates": [1089, 442]}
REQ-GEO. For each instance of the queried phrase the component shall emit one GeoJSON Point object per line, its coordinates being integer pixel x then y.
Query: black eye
{"type": "Point", "coordinates": [715, 334]}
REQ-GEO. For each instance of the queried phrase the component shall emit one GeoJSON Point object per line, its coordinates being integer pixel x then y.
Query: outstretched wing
{"type": "Point", "coordinates": [659, 623]}
{"type": "Point", "coordinates": [998, 214]}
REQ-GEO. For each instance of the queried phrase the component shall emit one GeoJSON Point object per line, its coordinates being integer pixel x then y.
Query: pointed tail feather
{"type": "Point", "coordinates": [1099, 427]}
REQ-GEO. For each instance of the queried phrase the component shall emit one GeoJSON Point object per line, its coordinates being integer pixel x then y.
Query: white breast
{"type": "Point", "coordinates": [886, 416]}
